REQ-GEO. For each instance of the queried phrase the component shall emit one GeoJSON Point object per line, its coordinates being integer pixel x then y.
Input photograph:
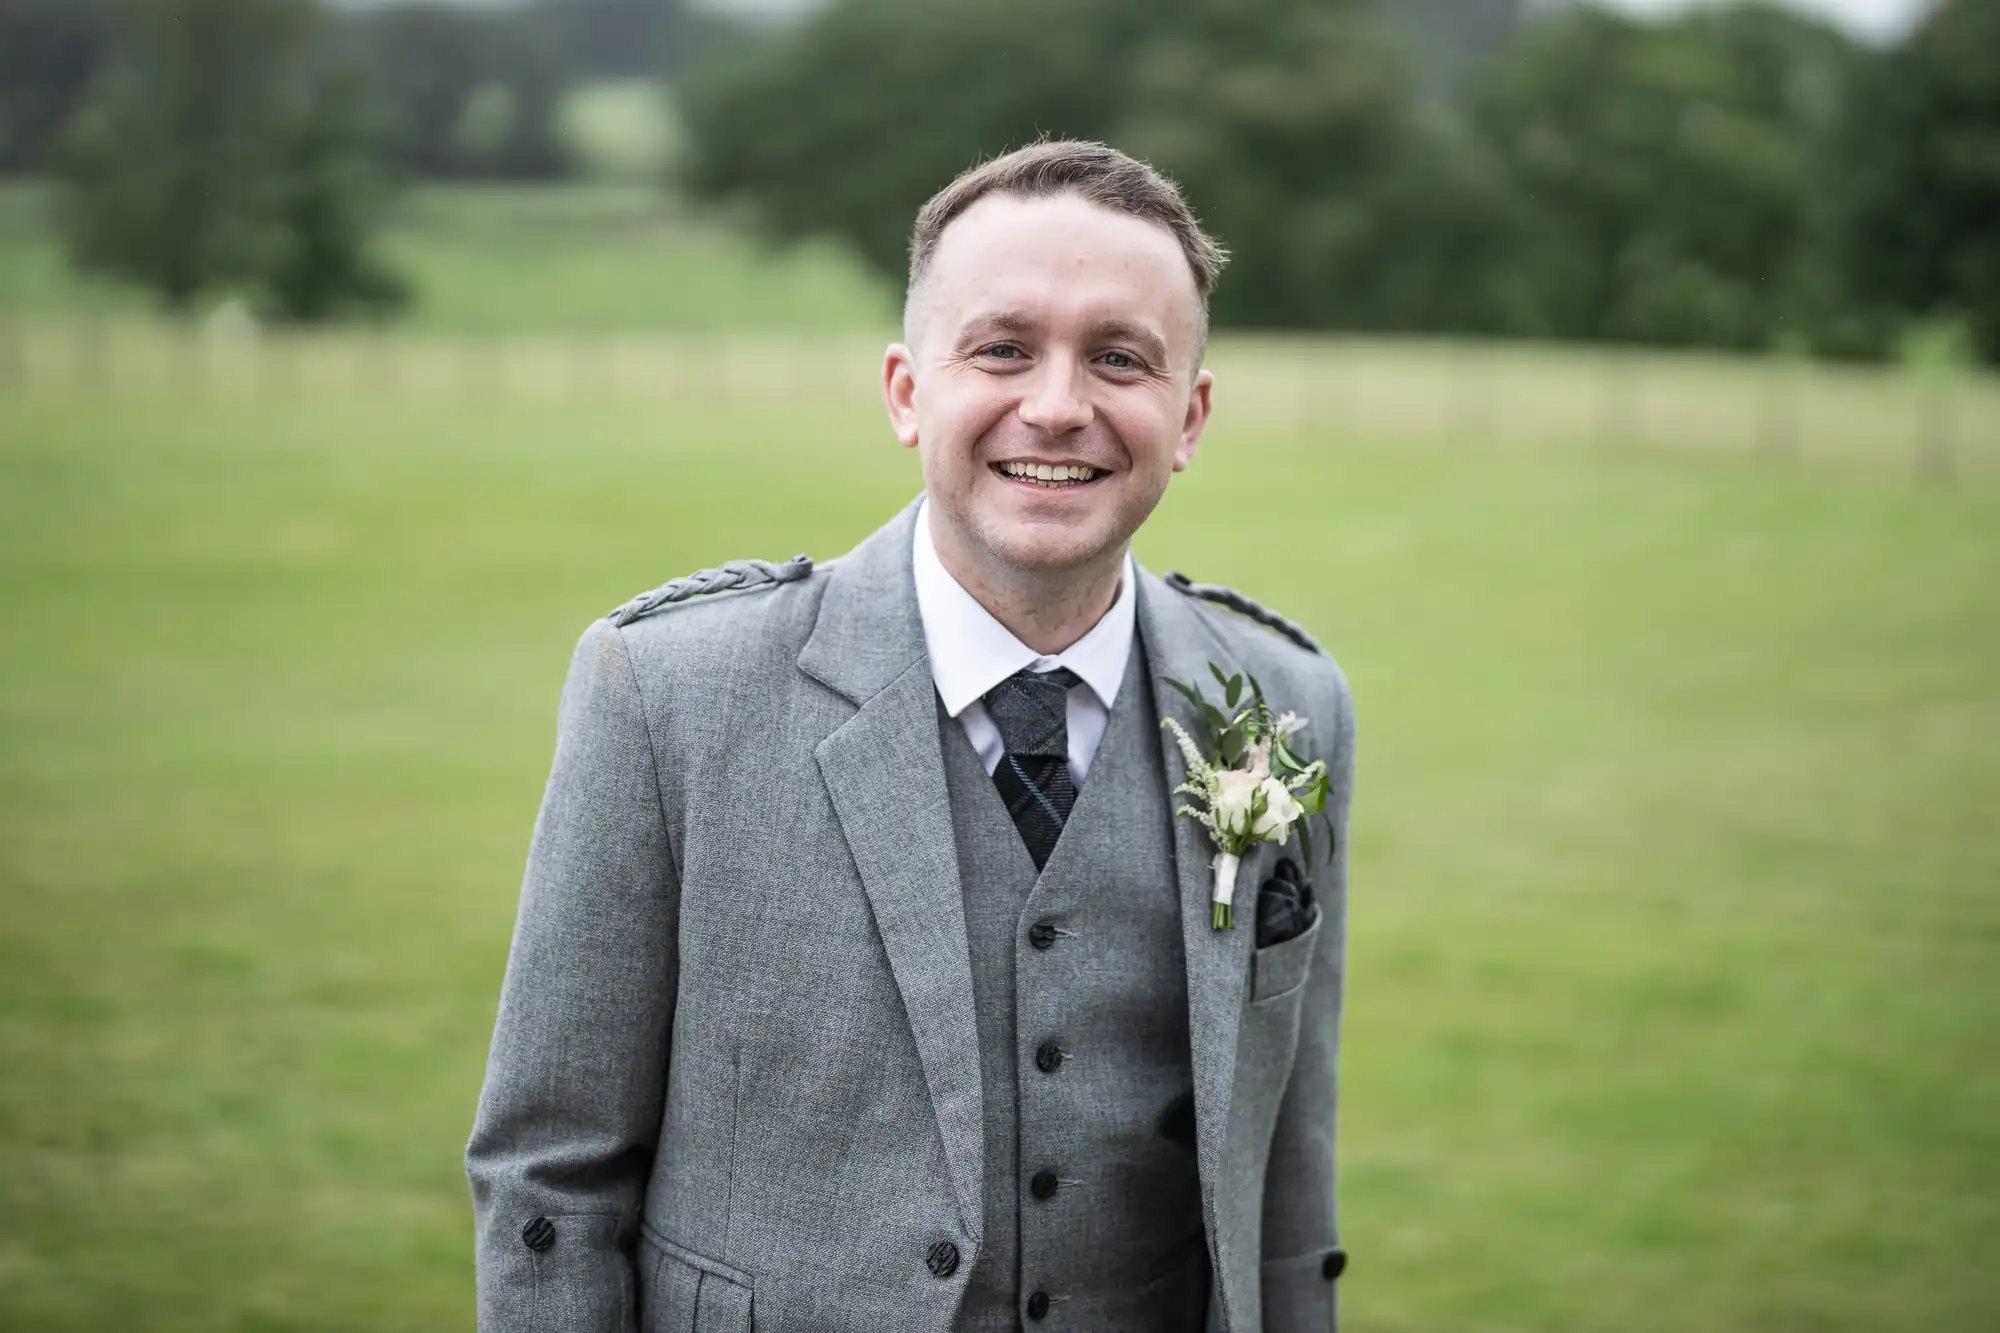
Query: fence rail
{"type": "Point", "coordinates": [1934, 422]}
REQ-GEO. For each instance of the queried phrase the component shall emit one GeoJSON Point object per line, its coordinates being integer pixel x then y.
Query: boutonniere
{"type": "Point", "coordinates": [1254, 788]}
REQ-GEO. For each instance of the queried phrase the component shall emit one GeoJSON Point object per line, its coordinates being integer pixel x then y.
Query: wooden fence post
{"type": "Point", "coordinates": [1468, 395]}
{"type": "Point", "coordinates": [1777, 417]}
{"type": "Point", "coordinates": [1610, 420]}
{"type": "Point", "coordinates": [1935, 445]}
{"type": "Point", "coordinates": [13, 352]}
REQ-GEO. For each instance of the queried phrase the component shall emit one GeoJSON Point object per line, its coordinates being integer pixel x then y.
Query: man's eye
{"type": "Point", "coordinates": [1004, 351]}
{"type": "Point", "coordinates": [1120, 361]}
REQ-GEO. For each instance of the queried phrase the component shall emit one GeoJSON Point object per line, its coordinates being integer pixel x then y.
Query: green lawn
{"type": "Point", "coordinates": [493, 259]}
{"type": "Point", "coordinates": [1676, 883]}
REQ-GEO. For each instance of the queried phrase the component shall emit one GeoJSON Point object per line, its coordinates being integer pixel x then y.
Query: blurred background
{"type": "Point", "coordinates": [1622, 379]}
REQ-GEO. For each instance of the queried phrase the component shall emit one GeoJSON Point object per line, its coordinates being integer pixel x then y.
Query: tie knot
{"type": "Point", "coordinates": [1031, 710]}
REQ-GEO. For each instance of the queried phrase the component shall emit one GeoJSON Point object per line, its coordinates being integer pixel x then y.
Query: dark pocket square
{"type": "Point", "coordinates": [1284, 905]}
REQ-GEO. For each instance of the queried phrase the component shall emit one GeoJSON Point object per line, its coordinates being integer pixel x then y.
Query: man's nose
{"type": "Point", "coordinates": [1055, 402]}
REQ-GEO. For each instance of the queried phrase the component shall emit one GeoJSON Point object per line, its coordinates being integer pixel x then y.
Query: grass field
{"type": "Point", "coordinates": [617, 290]}
{"type": "Point", "coordinates": [491, 259]}
{"type": "Point", "coordinates": [1676, 882]}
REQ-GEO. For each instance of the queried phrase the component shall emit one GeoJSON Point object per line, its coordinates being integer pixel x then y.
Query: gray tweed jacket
{"type": "Point", "coordinates": [735, 1080]}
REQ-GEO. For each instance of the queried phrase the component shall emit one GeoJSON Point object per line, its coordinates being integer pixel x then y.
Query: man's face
{"type": "Point", "coordinates": [1050, 334]}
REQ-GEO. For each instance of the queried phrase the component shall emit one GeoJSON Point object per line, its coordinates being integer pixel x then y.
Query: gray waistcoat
{"type": "Point", "coordinates": [1118, 1244]}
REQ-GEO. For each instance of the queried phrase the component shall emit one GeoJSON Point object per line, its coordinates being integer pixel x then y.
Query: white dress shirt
{"type": "Point", "coordinates": [971, 652]}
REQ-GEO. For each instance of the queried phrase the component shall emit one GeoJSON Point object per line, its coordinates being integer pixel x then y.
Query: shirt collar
{"type": "Point", "coordinates": [971, 652]}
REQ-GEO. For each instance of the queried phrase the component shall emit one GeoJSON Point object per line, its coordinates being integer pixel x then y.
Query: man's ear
{"type": "Point", "coordinates": [1196, 420]}
{"type": "Point", "coordinates": [899, 392]}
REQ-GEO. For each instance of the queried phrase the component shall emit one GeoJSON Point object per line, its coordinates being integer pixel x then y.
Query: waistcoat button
{"type": "Point", "coordinates": [1043, 1185]}
{"type": "Point", "coordinates": [1042, 934]}
{"type": "Point", "coordinates": [1048, 1057]}
{"type": "Point", "coordinates": [943, 1259]}
{"type": "Point", "coordinates": [1038, 1305]}
{"type": "Point", "coordinates": [1334, 1265]}
{"type": "Point", "coordinates": [539, 1234]}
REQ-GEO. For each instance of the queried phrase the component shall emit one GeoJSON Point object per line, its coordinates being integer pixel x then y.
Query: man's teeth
{"type": "Point", "coordinates": [1051, 474]}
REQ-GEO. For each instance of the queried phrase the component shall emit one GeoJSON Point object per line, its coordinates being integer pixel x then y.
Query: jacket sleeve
{"type": "Point", "coordinates": [1302, 1253]}
{"type": "Point", "coordinates": [576, 1078]}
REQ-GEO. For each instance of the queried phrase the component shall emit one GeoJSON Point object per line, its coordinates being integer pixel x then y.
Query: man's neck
{"type": "Point", "coordinates": [1047, 611]}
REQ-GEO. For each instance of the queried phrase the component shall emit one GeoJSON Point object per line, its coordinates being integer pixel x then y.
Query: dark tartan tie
{"type": "Point", "coordinates": [1031, 711]}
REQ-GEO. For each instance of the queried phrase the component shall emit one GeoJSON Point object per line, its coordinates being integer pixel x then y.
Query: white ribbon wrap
{"type": "Point", "coordinates": [1221, 910]}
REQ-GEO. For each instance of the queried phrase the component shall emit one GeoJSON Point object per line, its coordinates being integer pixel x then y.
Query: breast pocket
{"type": "Point", "coordinates": [1278, 969]}
{"type": "Point", "coordinates": [685, 1292]}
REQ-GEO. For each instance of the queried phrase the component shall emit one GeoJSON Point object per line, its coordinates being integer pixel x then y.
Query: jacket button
{"type": "Point", "coordinates": [1043, 1185]}
{"type": "Point", "coordinates": [943, 1259]}
{"type": "Point", "coordinates": [1042, 934]}
{"type": "Point", "coordinates": [1038, 1305]}
{"type": "Point", "coordinates": [1048, 1057]}
{"type": "Point", "coordinates": [539, 1234]}
{"type": "Point", "coordinates": [1333, 1265]}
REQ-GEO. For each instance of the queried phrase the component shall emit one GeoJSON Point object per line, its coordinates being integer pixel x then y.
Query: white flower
{"type": "Point", "coordinates": [1234, 790]}
{"type": "Point", "coordinates": [1280, 809]}
{"type": "Point", "coordinates": [1287, 723]}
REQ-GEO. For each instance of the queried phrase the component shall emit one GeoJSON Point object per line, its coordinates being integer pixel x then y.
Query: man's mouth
{"type": "Point", "coordinates": [1050, 476]}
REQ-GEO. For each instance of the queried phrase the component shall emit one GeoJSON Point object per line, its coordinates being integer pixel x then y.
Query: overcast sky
{"type": "Point", "coordinates": [1867, 18]}
{"type": "Point", "coordinates": [1880, 19]}
{"type": "Point", "coordinates": [1864, 18]}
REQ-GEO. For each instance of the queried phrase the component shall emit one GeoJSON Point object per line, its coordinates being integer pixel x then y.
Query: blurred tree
{"type": "Point", "coordinates": [49, 52]}
{"type": "Point", "coordinates": [1348, 202]}
{"type": "Point", "coordinates": [169, 169]}
{"type": "Point", "coordinates": [1298, 132]}
{"type": "Point", "coordinates": [1681, 182]}
{"type": "Point", "coordinates": [330, 194]}
{"type": "Point", "coordinates": [468, 92]}
{"type": "Point", "coordinates": [216, 151]}
{"type": "Point", "coordinates": [1918, 201]}
{"type": "Point", "coordinates": [1669, 173]}
{"type": "Point", "coordinates": [846, 121]}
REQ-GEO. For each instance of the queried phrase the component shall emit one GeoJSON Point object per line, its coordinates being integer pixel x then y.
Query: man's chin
{"type": "Point", "coordinates": [1053, 549]}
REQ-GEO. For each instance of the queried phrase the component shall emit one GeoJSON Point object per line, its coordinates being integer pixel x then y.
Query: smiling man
{"type": "Point", "coordinates": [865, 977]}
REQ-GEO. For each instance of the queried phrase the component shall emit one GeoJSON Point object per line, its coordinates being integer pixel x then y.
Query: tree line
{"type": "Point", "coordinates": [253, 146]}
{"type": "Point", "coordinates": [457, 91]}
{"type": "Point", "coordinates": [1739, 177]}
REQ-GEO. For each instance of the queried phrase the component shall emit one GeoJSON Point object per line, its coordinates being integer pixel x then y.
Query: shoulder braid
{"type": "Point", "coordinates": [733, 575]}
{"type": "Point", "coordinates": [1237, 602]}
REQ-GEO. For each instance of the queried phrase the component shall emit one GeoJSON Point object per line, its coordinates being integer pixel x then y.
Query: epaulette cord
{"type": "Point", "coordinates": [733, 575]}
{"type": "Point", "coordinates": [1237, 602]}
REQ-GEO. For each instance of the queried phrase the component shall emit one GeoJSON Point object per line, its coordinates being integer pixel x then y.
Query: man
{"type": "Point", "coordinates": [865, 978]}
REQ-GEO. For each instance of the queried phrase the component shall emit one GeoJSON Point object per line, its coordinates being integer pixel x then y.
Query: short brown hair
{"type": "Point", "coordinates": [1096, 173]}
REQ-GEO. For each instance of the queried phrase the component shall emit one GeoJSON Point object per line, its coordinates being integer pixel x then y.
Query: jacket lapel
{"type": "Point", "coordinates": [1180, 645]}
{"type": "Point", "coordinates": [884, 771]}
